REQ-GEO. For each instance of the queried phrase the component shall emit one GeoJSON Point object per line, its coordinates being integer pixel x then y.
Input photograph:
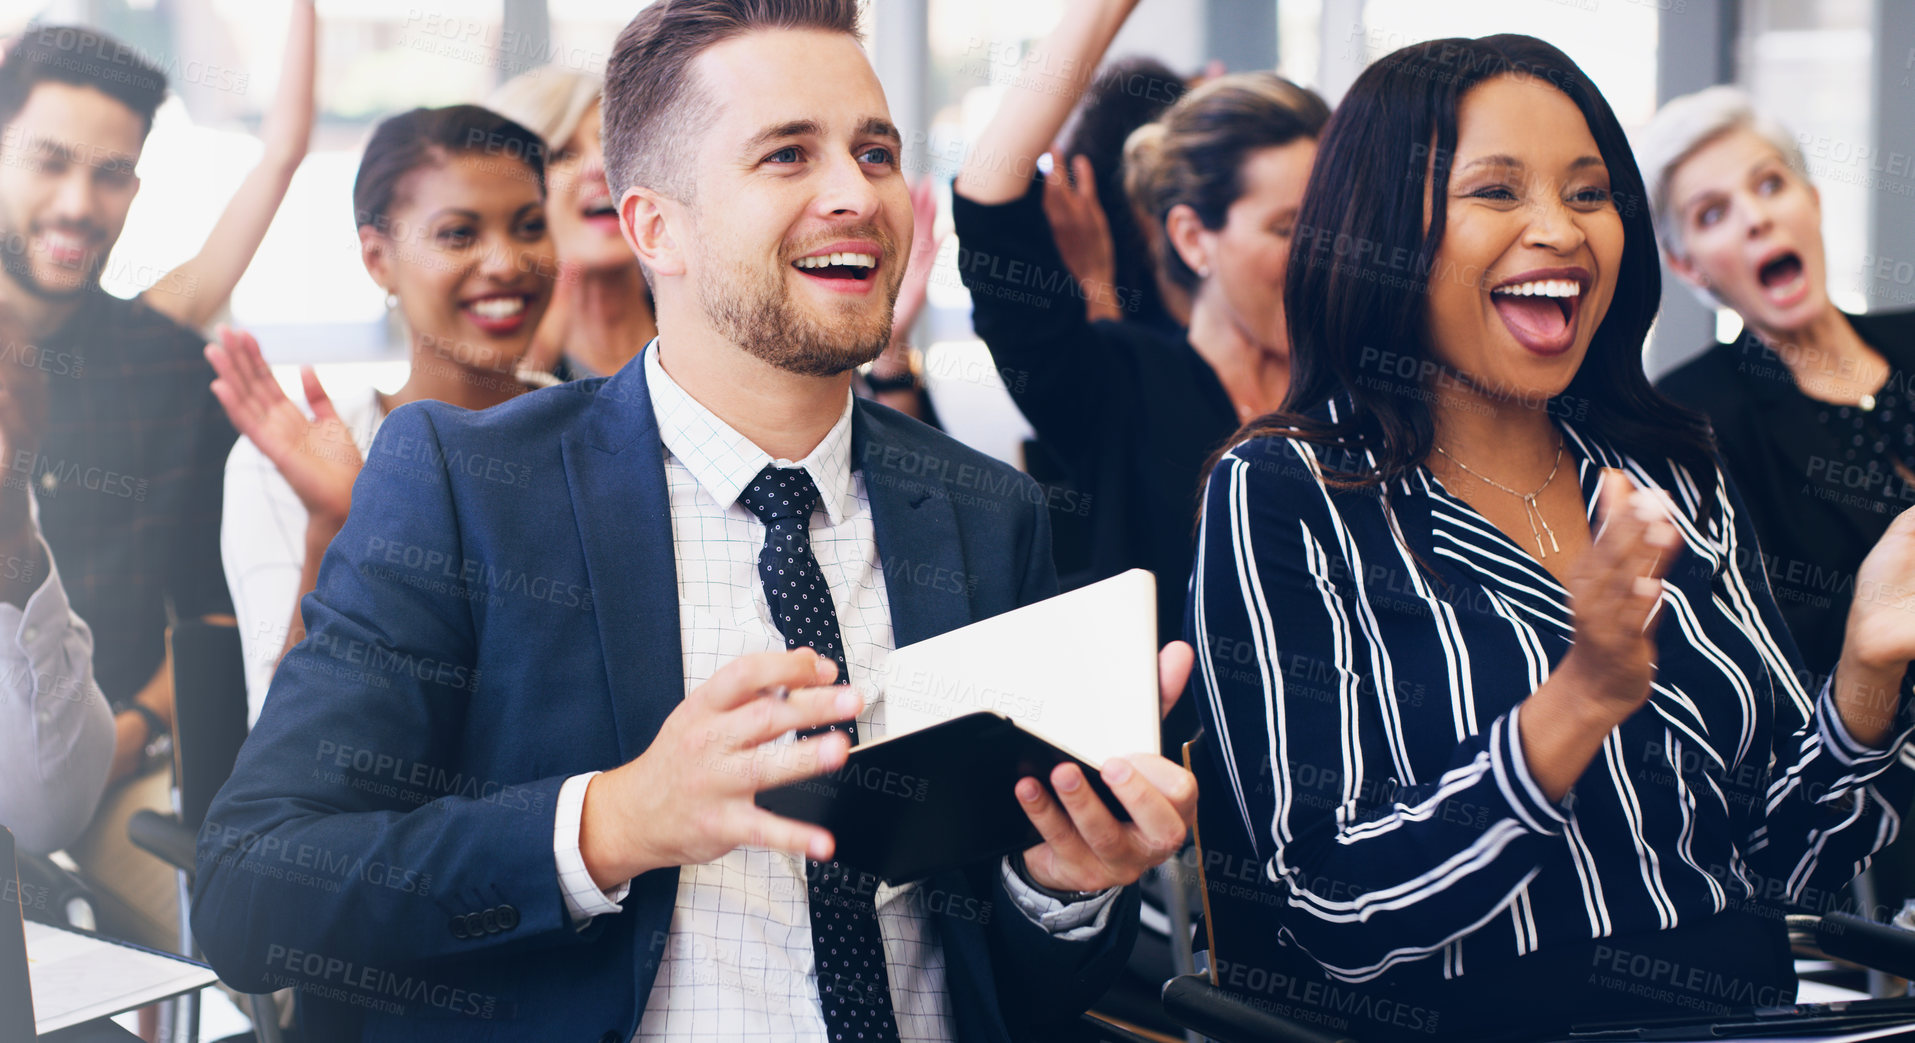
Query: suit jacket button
{"type": "Point", "coordinates": [490, 921]}
{"type": "Point", "coordinates": [609, 1037]}
{"type": "Point", "coordinates": [508, 917]}
{"type": "Point", "coordinates": [458, 927]}
{"type": "Point", "coordinates": [473, 925]}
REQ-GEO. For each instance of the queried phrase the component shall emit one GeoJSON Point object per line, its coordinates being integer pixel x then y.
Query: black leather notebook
{"type": "Point", "coordinates": [936, 799]}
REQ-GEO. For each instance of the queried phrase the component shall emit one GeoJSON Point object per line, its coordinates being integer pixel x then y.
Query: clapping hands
{"type": "Point", "coordinates": [316, 455]}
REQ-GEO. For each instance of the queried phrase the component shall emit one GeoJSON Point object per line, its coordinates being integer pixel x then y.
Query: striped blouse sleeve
{"type": "Point", "coordinates": [1831, 803]}
{"type": "Point", "coordinates": [1371, 875]}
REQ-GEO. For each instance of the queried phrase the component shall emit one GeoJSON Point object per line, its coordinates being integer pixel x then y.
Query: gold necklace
{"type": "Point", "coordinates": [1531, 512]}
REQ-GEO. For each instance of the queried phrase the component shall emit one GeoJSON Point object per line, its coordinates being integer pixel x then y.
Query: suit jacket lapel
{"type": "Point", "coordinates": [615, 473]}
{"type": "Point", "coordinates": [916, 526]}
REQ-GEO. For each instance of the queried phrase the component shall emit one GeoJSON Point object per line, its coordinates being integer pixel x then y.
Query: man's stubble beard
{"type": "Point", "coordinates": [758, 314]}
{"type": "Point", "coordinates": [18, 265]}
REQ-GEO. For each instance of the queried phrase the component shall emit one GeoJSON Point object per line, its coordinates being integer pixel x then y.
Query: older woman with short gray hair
{"type": "Point", "coordinates": [1813, 409]}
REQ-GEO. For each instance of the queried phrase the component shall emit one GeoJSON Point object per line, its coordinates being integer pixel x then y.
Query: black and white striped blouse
{"type": "Point", "coordinates": [1362, 661]}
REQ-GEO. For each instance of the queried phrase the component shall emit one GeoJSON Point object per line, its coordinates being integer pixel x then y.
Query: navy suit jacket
{"type": "Point", "coordinates": [500, 613]}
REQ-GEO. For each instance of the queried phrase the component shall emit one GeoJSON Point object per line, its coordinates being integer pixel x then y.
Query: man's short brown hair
{"type": "Point", "coordinates": [651, 104]}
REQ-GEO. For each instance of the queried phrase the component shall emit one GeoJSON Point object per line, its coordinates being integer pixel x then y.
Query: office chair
{"type": "Point", "coordinates": [1197, 1001]}
{"type": "Point", "coordinates": [52, 894]}
{"type": "Point", "coordinates": [209, 725]}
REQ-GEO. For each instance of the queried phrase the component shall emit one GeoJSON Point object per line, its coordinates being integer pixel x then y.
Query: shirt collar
{"type": "Point", "coordinates": [723, 461]}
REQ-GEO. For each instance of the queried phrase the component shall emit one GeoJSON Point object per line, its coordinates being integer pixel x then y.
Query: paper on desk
{"type": "Point", "coordinates": [1079, 669]}
{"type": "Point", "coordinates": [77, 978]}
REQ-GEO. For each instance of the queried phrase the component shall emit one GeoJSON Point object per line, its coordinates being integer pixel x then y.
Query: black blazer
{"type": "Point", "coordinates": [1130, 411]}
{"type": "Point", "coordinates": [1816, 513]}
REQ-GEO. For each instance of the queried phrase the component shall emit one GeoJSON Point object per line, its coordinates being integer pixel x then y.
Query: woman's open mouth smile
{"type": "Point", "coordinates": [1539, 307]}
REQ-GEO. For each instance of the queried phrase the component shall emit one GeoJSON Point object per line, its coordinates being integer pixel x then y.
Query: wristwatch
{"type": "Point", "coordinates": [1024, 873]}
{"type": "Point", "coordinates": [154, 726]}
{"type": "Point", "coordinates": [159, 740]}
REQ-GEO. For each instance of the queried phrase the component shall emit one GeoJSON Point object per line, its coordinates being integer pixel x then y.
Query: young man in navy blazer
{"type": "Point", "coordinates": [504, 787]}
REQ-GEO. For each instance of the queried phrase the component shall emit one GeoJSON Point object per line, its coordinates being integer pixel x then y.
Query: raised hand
{"type": "Point", "coordinates": [1881, 623]}
{"type": "Point", "coordinates": [316, 455]}
{"type": "Point", "coordinates": [1880, 638]}
{"type": "Point", "coordinates": [688, 799]}
{"type": "Point", "coordinates": [1082, 231]}
{"type": "Point", "coordinates": [1054, 75]}
{"type": "Point", "coordinates": [1085, 847]}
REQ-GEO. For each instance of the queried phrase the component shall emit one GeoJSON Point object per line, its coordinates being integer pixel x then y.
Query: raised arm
{"type": "Point", "coordinates": [193, 293]}
{"type": "Point", "coordinates": [1028, 303]}
{"type": "Point", "coordinates": [1004, 158]}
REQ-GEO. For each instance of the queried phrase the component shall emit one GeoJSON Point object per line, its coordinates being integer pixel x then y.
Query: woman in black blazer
{"type": "Point", "coordinates": [1508, 733]}
{"type": "Point", "coordinates": [1130, 412]}
{"type": "Point", "coordinates": [1813, 409]}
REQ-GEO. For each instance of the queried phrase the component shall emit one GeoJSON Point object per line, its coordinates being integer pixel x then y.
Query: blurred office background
{"type": "Point", "coordinates": [1840, 73]}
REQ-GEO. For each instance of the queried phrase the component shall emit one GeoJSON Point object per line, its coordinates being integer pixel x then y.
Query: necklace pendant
{"type": "Point", "coordinates": [1533, 514]}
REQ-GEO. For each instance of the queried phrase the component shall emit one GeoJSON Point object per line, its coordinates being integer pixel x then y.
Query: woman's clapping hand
{"type": "Point", "coordinates": [1614, 592]}
{"type": "Point", "coordinates": [1880, 638]}
{"type": "Point", "coordinates": [316, 455]}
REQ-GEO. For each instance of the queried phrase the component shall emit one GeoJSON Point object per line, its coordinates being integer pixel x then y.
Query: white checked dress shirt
{"type": "Point", "coordinates": [738, 965]}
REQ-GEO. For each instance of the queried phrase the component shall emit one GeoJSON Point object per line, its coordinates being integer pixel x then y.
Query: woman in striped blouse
{"type": "Point", "coordinates": [1469, 792]}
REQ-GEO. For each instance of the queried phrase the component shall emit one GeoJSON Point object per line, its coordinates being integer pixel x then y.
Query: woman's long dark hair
{"type": "Point", "coordinates": [1356, 294]}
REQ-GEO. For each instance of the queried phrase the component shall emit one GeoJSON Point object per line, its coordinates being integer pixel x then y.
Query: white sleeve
{"type": "Point", "coordinates": [56, 731]}
{"type": "Point", "coordinates": [583, 899]}
{"type": "Point", "coordinates": [262, 544]}
{"type": "Point", "coordinates": [1069, 921]}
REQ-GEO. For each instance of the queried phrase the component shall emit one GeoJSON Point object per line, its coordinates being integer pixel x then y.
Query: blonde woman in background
{"type": "Point", "coordinates": [601, 313]}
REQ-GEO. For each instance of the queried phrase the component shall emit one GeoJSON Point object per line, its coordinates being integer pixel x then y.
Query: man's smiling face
{"type": "Point", "coordinates": [799, 217]}
{"type": "Point", "coordinates": [66, 183]}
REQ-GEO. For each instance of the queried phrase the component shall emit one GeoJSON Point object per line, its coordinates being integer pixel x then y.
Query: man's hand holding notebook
{"type": "Point", "coordinates": [1032, 731]}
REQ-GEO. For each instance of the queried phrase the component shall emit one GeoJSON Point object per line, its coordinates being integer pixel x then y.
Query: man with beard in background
{"type": "Point", "coordinates": [127, 475]}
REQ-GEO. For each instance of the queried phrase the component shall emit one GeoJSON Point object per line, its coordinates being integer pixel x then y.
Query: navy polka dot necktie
{"type": "Point", "coordinates": [854, 989]}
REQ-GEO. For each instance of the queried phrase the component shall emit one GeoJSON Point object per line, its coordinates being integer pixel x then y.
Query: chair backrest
{"type": "Point", "coordinates": [1204, 1004]}
{"type": "Point", "coordinates": [16, 992]}
{"type": "Point", "coordinates": [209, 711]}
{"type": "Point", "coordinates": [1195, 751]}
{"type": "Point", "coordinates": [1241, 906]}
